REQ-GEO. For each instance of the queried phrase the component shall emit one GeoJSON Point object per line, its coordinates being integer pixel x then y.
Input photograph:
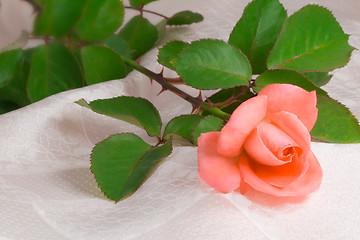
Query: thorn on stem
{"type": "Point", "coordinates": [210, 102]}
{"type": "Point", "coordinates": [138, 60]}
{"type": "Point", "coordinates": [194, 109]}
{"type": "Point", "coordinates": [199, 97]}
{"type": "Point", "coordinates": [162, 72]}
{"type": "Point", "coordinates": [161, 91]}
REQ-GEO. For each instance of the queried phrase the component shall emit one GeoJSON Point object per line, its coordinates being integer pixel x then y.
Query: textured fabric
{"type": "Point", "coordinates": [48, 192]}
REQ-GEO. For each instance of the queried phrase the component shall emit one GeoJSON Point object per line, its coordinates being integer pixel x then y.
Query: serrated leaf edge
{"type": "Point", "coordinates": [194, 13]}
{"type": "Point", "coordinates": [149, 173]}
{"type": "Point", "coordinates": [171, 133]}
{"type": "Point", "coordinates": [172, 63]}
{"type": "Point", "coordinates": [286, 20]}
{"type": "Point", "coordinates": [82, 102]}
{"type": "Point", "coordinates": [192, 132]}
{"type": "Point", "coordinates": [219, 40]}
{"type": "Point", "coordinates": [294, 71]}
{"type": "Point", "coordinates": [351, 114]}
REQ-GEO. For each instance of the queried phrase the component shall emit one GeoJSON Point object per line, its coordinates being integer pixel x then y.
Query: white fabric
{"type": "Point", "coordinates": [48, 192]}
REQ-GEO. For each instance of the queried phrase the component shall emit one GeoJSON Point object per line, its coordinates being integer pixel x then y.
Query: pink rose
{"type": "Point", "coordinates": [265, 145]}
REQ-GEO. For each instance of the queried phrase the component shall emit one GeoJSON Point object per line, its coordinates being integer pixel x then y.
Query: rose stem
{"type": "Point", "coordinates": [148, 11]}
{"type": "Point", "coordinates": [162, 81]}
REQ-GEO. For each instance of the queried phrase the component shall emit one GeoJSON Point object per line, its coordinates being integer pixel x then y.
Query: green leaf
{"type": "Point", "coordinates": [140, 34]}
{"type": "Point", "coordinates": [10, 62]}
{"type": "Point", "coordinates": [207, 124]}
{"type": "Point", "coordinates": [7, 106]}
{"type": "Point", "coordinates": [139, 3]}
{"type": "Point", "coordinates": [170, 52]}
{"type": "Point", "coordinates": [137, 111]}
{"type": "Point", "coordinates": [318, 78]}
{"type": "Point", "coordinates": [335, 123]}
{"type": "Point", "coordinates": [181, 127]}
{"type": "Point", "coordinates": [228, 93]}
{"type": "Point", "coordinates": [58, 17]}
{"type": "Point", "coordinates": [121, 47]}
{"type": "Point", "coordinates": [122, 162]}
{"type": "Point", "coordinates": [15, 90]}
{"type": "Point", "coordinates": [212, 64]}
{"type": "Point", "coordinates": [53, 69]}
{"type": "Point", "coordinates": [100, 19]}
{"type": "Point", "coordinates": [37, 2]}
{"type": "Point", "coordinates": [20, 42]}
{"type": "Point", "coordinates": [257, 30]}
{"type": "Point", "coordinates": [161, 30]}
{"type": "Point", "coordinates": [286, 76]}
{"type": "Point", "coordinates": [102, 64]}
{"type": "Point", "coordinates": [184, 18]}
{"type": "Point", "coordinates": [311, 40]}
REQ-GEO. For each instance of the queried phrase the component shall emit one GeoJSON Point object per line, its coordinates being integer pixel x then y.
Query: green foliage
{"type": "Point", "coordinates": [170, 52]}
{"type": "Point", "coordinates": [102, 64]}
{"type": "Point", "coordinates": [207, 124]}
{"type": "Point", "coordinates": [286, 76]}
{"type": "Point", "coordinates": [53, 69]}
{"type": "Point", "coordinates": [7, 106]}
{"type": "Point", "coordinates": [80, 47]}
{"type": "Point", "coordinates": [189, 127]}
{"type": "Point", "coordinates": [15, 90]}
{"type": "Point", "coordinates": [10, 62]}
{"type": "Point", "coordinates": [318, 78]}
{"type": "Point", "coordinates": [123, 161]}
{"type": "Point", "coordinates": [212, 64]}
{"type": "Point", "coordinates": [52, 21]}
{"type": "Point", "coordinates": [335, 123]}
{"type": "Point", "coordinates": [185, 18]}
{"type": "Point", "coordinates": [161, 30]}
{"type": "Point", "coordinates": [257, 30]}
{"type": "Point", "coordinates": [140, 34]}
{"type": "Point", "coordinates": [137, 111]}
{"type": "Point", "coordinates": [121, 47]}
{"type": "Point", "coordinates": [100, 19]}
{"type": "Point", "coordinates": [181, 127]}
{"type": "Point", "coordinates": [18, 43]}
{"type": "Point", "coordinates": [305, 46]}
{"type": "Point", "coordinates": [225, 94]}
{"type": "Point", "coordinates": [140, 3]}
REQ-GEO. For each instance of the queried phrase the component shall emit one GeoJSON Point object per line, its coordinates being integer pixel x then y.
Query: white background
{"type": "Point", "coordinates": [48, 192]}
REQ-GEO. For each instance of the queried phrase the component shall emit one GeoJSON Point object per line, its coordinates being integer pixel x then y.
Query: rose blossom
{"type": "Point", "coordinates": [264, 145]}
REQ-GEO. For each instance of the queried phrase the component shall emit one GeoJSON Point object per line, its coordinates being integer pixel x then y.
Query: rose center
{"type": "Point", "coordinates": [289, 151]}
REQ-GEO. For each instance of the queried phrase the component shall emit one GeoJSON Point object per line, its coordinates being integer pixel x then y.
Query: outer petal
{"type": "Point", "coordinates": [243, 120]}
{"type": "Point", "coordinates": [308, 183]}
{"type": "Point", "coordinates": [220, 172]}
{"type": "Point", "coordinates": [293, 99]}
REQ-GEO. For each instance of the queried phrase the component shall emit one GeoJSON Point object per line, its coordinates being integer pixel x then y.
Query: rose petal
{"type": "Point", "coordinates": [220, 172]}
{"type": "Point", "coordinates": [284, 175]}
{"type": "Point", "coordinates": [293, 99]}
{"type": "Point", "coordinates": [243, 120]}
{"type": "Point", "coordinates": [293, 127]}
{"type": "Point", "coordinates": [308, 183]}
{"type": "Point", "coordinates": [259, 151]}
{"type": "Point", "coordinates": [275, 139]}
